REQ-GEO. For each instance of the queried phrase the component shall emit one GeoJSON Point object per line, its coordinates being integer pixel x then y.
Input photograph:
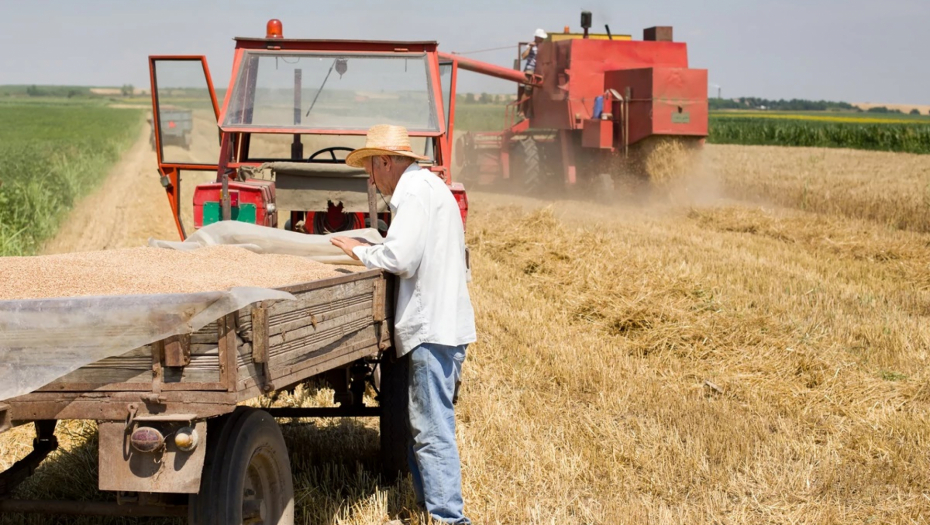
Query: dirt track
{"type": "Point", "coordinates": [128, 207]}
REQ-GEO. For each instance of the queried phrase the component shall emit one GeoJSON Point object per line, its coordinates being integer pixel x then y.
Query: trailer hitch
{"type": "Point", "coordinates": [44, 443]}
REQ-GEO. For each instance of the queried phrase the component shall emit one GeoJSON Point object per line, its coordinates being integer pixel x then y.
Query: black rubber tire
{"type": "Point", "coordinates": [395, 429]}
{"type": "Point", "coordinates": [249, 456]}
{"type": "Point", "coordinates": [526, 167]}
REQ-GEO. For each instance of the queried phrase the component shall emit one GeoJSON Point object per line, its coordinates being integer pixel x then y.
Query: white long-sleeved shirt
{"type": "Point", "coordinates": [425, 249]}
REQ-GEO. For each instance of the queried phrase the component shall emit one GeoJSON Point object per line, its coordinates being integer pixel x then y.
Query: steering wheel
{"type": "Point", "coordinates": [332, 151]}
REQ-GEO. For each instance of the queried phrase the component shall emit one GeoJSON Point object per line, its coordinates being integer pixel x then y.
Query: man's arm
{"type": "Point", "coordinates": [404, 245]}
{"type": "Point", "coordinates": [347, 244]}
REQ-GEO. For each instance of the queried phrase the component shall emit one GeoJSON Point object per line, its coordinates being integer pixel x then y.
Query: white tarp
{"type": "Point", "coordinates": [261, 239]}
{"type": "Point", "coordinates": [44, 339]}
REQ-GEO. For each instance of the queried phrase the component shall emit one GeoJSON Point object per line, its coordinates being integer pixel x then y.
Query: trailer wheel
{"type": "Point", "coordinates": [525, 166]}
{"type": "Point", "coordinates": [248, 478]}
{"type": "Point", "coordinates": [395, 432]}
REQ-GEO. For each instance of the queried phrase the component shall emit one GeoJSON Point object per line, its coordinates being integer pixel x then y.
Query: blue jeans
{"type": "Point", "coordinates": [434, 455]}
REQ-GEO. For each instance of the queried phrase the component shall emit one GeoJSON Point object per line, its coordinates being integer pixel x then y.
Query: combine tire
{"type": "Point", "coordinates": [525, 167]}
{"type": "Point", "coordinates": [247, 475]}
{"type": "Point", "coordinates": [395, 432]}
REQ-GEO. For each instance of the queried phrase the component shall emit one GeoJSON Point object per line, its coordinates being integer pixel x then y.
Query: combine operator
{"type": "Point", "coordinates": [529, 54]}
{"type": "Point", "coordinates": [434, 320]}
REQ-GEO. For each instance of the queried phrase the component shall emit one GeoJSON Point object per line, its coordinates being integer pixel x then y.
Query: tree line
{"type": "Point", "coordinates": [795, 104]}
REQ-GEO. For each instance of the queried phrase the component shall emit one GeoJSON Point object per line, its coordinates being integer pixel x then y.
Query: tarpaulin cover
{"type": "Point", "coordinates": [42, 340]}
{"type": "Point", "coordinates": [261, 239]}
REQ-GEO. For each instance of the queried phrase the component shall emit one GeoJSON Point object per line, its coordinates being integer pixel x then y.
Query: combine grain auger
{"type": "Point", "coordinates": [600, 105]}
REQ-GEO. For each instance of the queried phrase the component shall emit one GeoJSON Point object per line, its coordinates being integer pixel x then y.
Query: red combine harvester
{"type": "Point", "coordinates": [293, 110]}
{"type": "Point", "coordinates": [599, 105]}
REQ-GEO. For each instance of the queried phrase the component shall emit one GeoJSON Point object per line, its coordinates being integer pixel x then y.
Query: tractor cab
{"type": "Point", "coordinates": [292, 111]}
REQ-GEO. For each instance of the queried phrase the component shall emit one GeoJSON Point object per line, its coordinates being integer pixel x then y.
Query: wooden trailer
{"type": "Point", "coordinates": [174, 439]}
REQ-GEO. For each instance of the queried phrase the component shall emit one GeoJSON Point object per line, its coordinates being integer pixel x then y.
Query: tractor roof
{"type": "Point", "coordinates": [336, 41]}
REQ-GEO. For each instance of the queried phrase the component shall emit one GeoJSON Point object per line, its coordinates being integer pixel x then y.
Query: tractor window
{"type": "Point", "coordinates": [445, 77]}
{"type": "Point", "coordinates": [331, 92]}
{"type": "Point", "coordinates": [186, 119]}
{"type": "Point", "coordinates": [276, 146]}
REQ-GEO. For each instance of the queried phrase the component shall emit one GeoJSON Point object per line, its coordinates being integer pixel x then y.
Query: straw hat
{"type": "Point", "coordinates": [383, 139]}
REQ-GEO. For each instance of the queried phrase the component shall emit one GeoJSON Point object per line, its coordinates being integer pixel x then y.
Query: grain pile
{"type": "Point", "coordinates": [153, 271]}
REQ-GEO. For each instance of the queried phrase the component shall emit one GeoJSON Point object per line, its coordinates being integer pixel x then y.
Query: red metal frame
{"type": "Point", "coordinates": [171, 170]}
{"type": "Point", "coordinates": [232, 138]}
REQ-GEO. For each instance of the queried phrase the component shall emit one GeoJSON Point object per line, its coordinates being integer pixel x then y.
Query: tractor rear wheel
{"type": "Point", "coordinates": [525, 166]}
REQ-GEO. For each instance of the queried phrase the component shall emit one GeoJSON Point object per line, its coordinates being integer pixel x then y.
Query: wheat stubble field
{"type": "Point", "coordinates": [757, 355]}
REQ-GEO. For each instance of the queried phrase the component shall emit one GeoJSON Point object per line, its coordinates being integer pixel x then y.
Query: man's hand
{"type": "Point", "coordinates": [346, 244]}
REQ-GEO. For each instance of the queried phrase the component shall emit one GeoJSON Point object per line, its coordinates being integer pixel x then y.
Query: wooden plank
{"type": "Point", "coordinates": [329, 344]}
{"type": "Point", "coordinates": [306, 341]}
{"type": "Point", "coordinates": [112, 406]}
{"type": "Point", "coordinates": [259, 334]}
{"type": "Point", "coordinates": [332, 281]}
{"type": "Point", "coordinates": [206, 335]}
{"type": "Point", "coordinates": [158, 352]}
{"type": "Point", "coordinates": [228, 346]}
{"type": "Point", "coordinates": [178, 350]}
{"type": "Point", "coordinates": [109, 378]}
{"type": "Point", "coordinates": [245, 324]}
{"type": "Point", "coordinates": [378, 301]}
{"type": "Point", "coordinates": [363, 305]}
{"type": "Point", "coordinates": [113, 373]}
{"type": "Point", "coordinates": [322, 299]}
{"type": "Point", "coordinates": [191, 375]}
{"type": "Point", "coordinates": [327, 359]}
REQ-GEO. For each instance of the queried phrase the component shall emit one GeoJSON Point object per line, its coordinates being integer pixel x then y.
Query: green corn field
{"type": "Point", "coordinates": [846, 133]}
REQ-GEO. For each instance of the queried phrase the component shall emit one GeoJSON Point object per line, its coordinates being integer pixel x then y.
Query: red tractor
{"type": "Point", "coordinates": [600, 105]}
{"type": "Point", "coordinates": [293, 110]}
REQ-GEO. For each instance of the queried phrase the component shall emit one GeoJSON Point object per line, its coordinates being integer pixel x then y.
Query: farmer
{"type": "Point", "coordinates": [434, 320]}
{"type": "Point", "coordinates": [529, 54]}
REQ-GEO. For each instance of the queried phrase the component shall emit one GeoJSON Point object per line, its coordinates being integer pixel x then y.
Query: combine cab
{"type": "Point", "coordinates": [597, 105]}
{"type": "Point", "coordinates": [292, 112]}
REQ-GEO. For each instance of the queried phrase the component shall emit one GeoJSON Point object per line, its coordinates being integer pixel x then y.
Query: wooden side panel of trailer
{"type": "Point", "coordinates": [258, 349]}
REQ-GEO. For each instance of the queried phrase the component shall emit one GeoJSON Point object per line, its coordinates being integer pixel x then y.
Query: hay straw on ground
{"type": "Point", "coordinates": [725, 364]}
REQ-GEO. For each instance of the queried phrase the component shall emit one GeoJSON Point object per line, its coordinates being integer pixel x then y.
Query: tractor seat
{"type": "Point", "coordinates": [310, 169]}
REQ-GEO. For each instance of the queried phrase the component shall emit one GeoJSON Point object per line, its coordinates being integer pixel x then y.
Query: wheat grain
{"type": "Point", "coordinates": [153, 271]}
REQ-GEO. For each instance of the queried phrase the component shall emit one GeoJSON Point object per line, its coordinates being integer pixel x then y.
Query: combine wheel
{"type": "Point", "coordinates": [395, 433]}
{"type": "Point", "coordinates": [525, 166]}
{"type": "Point", "coordinates": [247, 478]}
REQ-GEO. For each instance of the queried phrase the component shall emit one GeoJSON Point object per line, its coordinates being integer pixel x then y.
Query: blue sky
{"type": "Point", "coordinates": [853, 50]}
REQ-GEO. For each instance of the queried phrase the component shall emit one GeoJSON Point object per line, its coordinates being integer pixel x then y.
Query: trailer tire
{"type": "Point", "coordinates": [395, 429]}
{"type": "Point", "coordinates": [249, 458]}
{"type": "Point", "coordinates": [526, 167]}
